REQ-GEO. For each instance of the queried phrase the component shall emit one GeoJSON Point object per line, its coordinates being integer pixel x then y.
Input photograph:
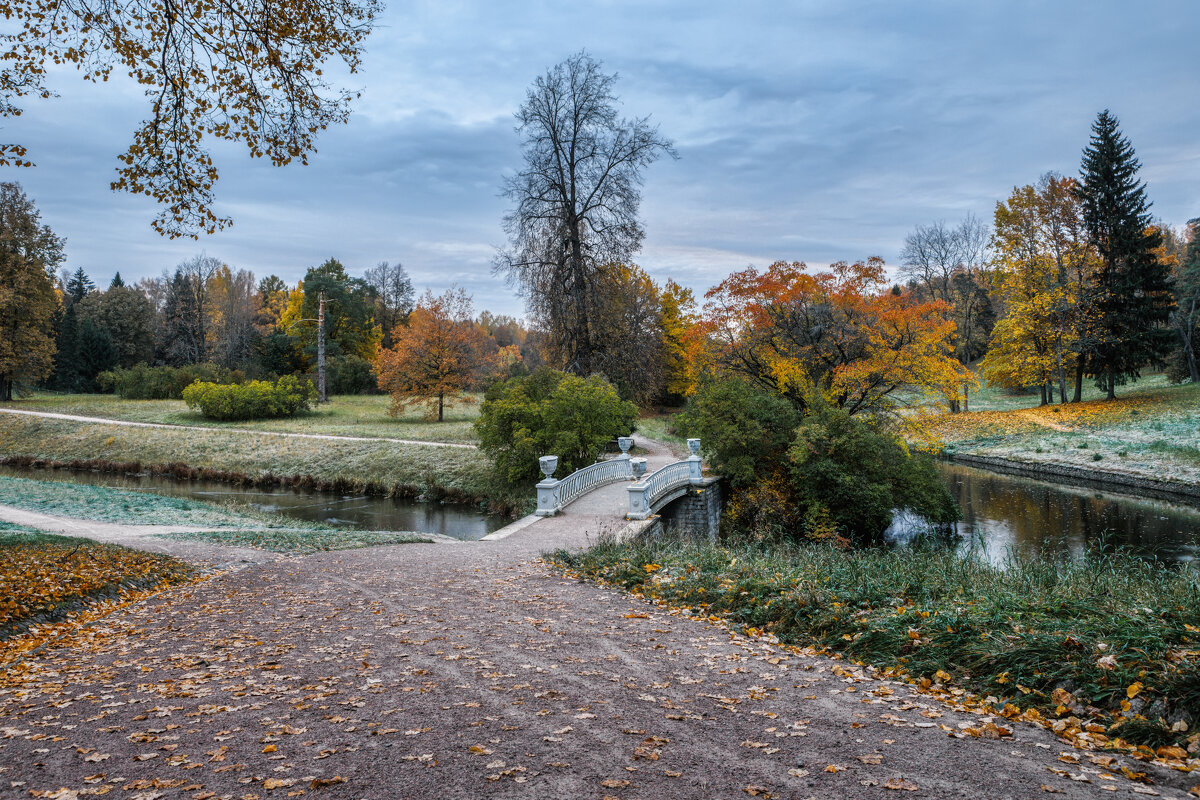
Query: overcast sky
{"type": "Point", "coordinates": [806, 131]}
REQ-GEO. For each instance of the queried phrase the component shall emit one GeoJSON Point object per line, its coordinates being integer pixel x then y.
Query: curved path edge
{"type": "Point", "coordinates": [133, 424]}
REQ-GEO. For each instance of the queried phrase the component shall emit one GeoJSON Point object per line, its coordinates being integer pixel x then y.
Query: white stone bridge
{"type": "Point", "coordinates": [626, 495]}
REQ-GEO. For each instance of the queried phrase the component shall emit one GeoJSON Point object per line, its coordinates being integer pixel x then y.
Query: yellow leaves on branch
{"type": "Point", "coordinates": [245, 71]}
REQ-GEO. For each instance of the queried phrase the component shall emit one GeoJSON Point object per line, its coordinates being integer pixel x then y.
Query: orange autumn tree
{"type": "Point", "coordinates": [837, 337]}
{"type": "Point", "coordinates": [436, 357]}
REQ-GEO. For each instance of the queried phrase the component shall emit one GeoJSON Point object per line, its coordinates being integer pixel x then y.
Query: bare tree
{"type": "Point", "coordinates": [949, 264]}
{"type": "Point", "coordinates": [393, 296]}
{"type": "Point", "coordinates": [576, 200]}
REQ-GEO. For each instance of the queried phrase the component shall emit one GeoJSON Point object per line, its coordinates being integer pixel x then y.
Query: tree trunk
{"type": "Point", "coordinates": [1110, 379]}
{"type": "Point", "coordinates": [1042, 387]}
{"type": "Point", "coordinates": [1062, 374]}
{"type": "Point", "coordinates": [1079, 379]}
{"type": "Point", "coordinates": [441, 405]}
{"type": "Point", "coordinates": [5, 389]}
{"type": "Point", "coordinates": [966, 400]}
{"type": "Point", "coordinates": [1188, 350]}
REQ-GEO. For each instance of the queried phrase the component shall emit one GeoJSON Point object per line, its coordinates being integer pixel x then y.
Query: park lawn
{"type": "Point", "coordinates": [994, 398]}
{"type": "Point", "coordinates": [44, 576]}
{"type": "Point", "coordinates": [661, 428]}
{"type": "Point", "coordinates": [302, 542]}
{"type": "Point", "coordinates": [1107, 641]}
{"type": "Point", "coordinates": [343, 415]}
{"type": "Point", "coordinates": [1152, 430]}
{"type": "Point", "coordinates": [403, 469]}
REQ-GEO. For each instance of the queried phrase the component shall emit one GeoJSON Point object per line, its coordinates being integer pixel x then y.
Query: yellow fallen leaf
{"type": "Point", "coordinates": [898, 784]}
{"type": "Point", "coordinates": [1134, 689]}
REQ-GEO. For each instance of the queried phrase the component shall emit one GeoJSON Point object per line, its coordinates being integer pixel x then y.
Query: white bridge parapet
{"type": "Point", "coordinates": [645, 493]}
{"type": "Point", "coordinates": [555, 495]}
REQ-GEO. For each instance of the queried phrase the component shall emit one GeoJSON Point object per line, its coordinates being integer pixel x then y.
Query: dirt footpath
{"type": "Point", "coordinates": [472, 670]}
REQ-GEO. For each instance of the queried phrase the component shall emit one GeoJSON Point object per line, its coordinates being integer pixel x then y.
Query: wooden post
{"type": "Point", "coordinates": [321, 350]}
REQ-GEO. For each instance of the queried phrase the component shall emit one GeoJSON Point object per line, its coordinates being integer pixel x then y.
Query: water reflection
{"type": "Point", "coordinates": [363, 512]}
{"type": "Point", "coordinates": [1003, 513]}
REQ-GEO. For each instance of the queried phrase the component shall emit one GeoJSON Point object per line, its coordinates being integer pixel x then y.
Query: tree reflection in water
{"type": "Point", "coordinates": [1003, 513]}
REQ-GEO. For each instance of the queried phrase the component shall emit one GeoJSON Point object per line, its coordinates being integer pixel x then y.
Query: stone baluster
{"type": "Point", "coordinates": [695, 467]}
{"type": "Point", "coordinates": [547, 488]}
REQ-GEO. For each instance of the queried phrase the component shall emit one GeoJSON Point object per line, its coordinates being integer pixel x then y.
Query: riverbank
{"type": "Point", "coordinates": [381, 468]}
{"type": "Point", "coordinates": [1103, 651]}
{"type": "Point", "coordinates": [1147, 441]}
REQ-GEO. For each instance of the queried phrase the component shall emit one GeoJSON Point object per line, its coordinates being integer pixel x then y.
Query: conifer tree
{"type": "Point", "coordinates": [66, 360]}
{"type": "Point", "coordinates": [78, 286]}
{"type": "Point", "coordinates": [1133, 298]}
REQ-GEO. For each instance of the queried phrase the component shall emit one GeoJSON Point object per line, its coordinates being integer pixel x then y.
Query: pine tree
{"type": "Point", "coordinates": [66, 360]}
{"type": "Point", "coordinates": [117, 283]}
{"type": "Point", "coordinates": [78, 286]}
{"type": "Point", "coordinates": [1133, 288]}
{"type": "Point", "coordinates": [96, 354]}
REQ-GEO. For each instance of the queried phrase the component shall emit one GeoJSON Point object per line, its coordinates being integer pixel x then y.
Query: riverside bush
{"type": "Point", "coordinates": [144, 382]}
{"type": "Point", "coordinates": [817, 475]}
{"type": "Point", "coordinates": [253, 400]}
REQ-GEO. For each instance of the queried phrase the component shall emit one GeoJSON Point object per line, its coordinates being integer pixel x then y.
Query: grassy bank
{"type": "Point", "coordinates": [123, 506]}
{"type": "Point", "coordinates": [453, 474]}
{"type": "Point", "coordinates": [1105, 649]}
{"type": "Point", "coordinates": [1151, 430]}
{"type": "Point", "coordinates": [303, 542]}
{"type": "Point", "coordinates": [43, 576]}
{"type": "Point", "coordinates": [346, 415]}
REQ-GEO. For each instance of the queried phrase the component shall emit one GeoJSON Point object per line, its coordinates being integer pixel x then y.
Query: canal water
{"type": "Point", "coordinates": [1001, 513]}
{"type": "Point", "coordinates": [353, 511]}
{"type": "Point", "coordinates": [1004, 513]}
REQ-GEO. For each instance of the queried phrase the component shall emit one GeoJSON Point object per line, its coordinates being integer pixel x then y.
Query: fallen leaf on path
{"type": "Point", "coordinates": [900, 785]}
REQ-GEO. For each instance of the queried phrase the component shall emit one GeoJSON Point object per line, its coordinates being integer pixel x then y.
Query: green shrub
{"type": "Point", "coordinates": [144, 382]}
{"type": "Point", "coordinates": [809, 477]}
{"type": "Point", "coordinates": [350, 375]}
{"type": "Point", "coordinates": [253, 400]}
{"type": "Point", "coordinates": [550, 413]}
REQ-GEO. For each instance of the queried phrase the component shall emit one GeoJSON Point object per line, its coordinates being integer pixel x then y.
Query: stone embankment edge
{"type": "Point", "coordinates": [1081, 476]}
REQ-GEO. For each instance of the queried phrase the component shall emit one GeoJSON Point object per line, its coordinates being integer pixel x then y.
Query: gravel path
{"type": "Point", "coordinates": [130, 424]}
{"type": "Point", "coordinates": [470, 669]}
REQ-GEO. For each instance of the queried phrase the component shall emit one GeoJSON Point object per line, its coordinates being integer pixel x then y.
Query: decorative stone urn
{"type": "Point", "coordinates": [625, 442]}
{"type": "Point", "coordinates": [548, 465]}
{"type": "Point", "coordinates": [639, 467]}
{"type": "Point", "coordinates": [694, 446]}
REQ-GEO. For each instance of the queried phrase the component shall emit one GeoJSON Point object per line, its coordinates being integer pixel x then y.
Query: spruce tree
{"type": "Point", "coordinates": [67, 359]}
{"type": "Point", "coordinates": [117, 283]}
{"type": "Point", "coordinates": [78, 286]}
{"type": "Point", "coordinates": [1133, 288]}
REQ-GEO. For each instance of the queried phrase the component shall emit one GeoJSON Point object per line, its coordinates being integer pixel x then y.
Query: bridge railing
{"type": "Point", "coordinates": [649, 490]}
{"type": "Point", "coordinates": [555, 495]}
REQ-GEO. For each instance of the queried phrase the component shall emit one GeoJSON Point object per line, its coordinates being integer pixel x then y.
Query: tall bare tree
{"type": "Point", "coordinates": [949, 264]}
{"type": "Point", "coordinates": [575, 201]}
{"type": "Point", "coordinates": [393, 297]}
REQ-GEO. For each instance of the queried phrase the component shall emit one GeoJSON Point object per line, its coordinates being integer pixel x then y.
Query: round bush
{"type": "Point", "coordinates": [253, 400]}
